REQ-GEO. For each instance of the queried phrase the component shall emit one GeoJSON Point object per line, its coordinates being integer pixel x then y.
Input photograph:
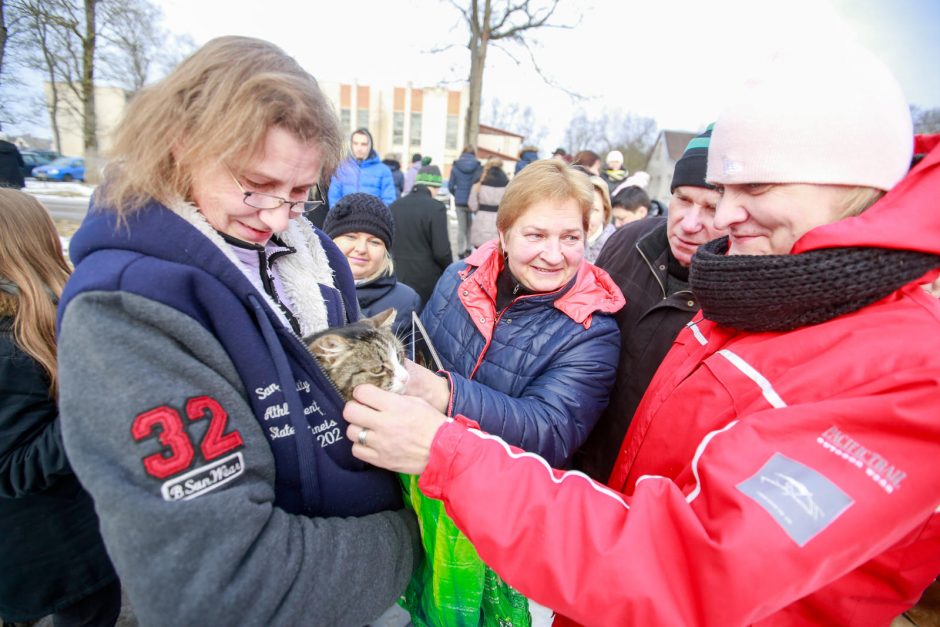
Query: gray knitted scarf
{"type": "Point", "coordinates": [784, 292]}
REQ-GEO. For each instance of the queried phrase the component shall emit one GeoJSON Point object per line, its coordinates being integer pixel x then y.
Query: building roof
{"type": "Point", "coordinates": [676, 141]}
{"type": "Point", "coordinates": [486, 153]}
{"type": "Point", "coordinates": [492, 130]}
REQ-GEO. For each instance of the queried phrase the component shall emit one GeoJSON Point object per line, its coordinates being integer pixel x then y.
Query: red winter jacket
{"type": "Point", "coordinates": [767, 478]}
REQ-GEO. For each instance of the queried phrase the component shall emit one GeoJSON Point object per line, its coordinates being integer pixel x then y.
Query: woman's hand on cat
{"type": "Point", "coordinates": [400, 429]}
{"type": "Point", "coordinates": [425, 384]}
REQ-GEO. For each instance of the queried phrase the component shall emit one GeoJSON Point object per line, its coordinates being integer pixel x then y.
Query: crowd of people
{"type": "Point", "coordinates": [637, 410]}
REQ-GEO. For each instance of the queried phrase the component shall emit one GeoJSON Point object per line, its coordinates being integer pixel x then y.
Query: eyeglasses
{"type": "Point", "coordinates": [260, 200]}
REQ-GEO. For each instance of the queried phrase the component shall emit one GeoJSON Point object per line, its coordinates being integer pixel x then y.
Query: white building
{"type": "Point", "coordinates": [666, 151]}
{"type": "Point", "coordinates": [110, 103]}
{"type": "Point", "coordinates": [404, 120]}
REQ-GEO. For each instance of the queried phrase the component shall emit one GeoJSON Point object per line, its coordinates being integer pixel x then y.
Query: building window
{"type": "Point", "coordinates": [415, 139]}
{"type": "Point", "coordinates": [344, 116]}
{"type": "Point", "coordinates": [451, 132]}
{"type": "Point", "coordinates": [362, 118]}
{"type": "Point", "coordinates": [398, 128]}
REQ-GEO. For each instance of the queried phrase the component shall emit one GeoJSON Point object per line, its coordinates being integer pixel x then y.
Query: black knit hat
{"type": "Point", "coordinates": [690, 169]}
{"type": "Point", "coordinates": [360, 213]}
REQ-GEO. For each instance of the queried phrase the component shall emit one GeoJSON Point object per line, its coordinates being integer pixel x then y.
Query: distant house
{"type": "Point", "coordinates": [666, 151]}
{"type": "Point", "coordinates": [496, 142]}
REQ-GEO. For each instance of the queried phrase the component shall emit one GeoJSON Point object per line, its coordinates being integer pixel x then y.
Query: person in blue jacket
{"type": "Point", "coordinates": [363, 171]}
{"type": "Point", "coordinates": [363, 229]}
{"type": "Point", "coordinates": [529, 349]}
{"type": "Point", "coordinates": [528, 154]}
{"type": "Point", "coordinates": [192, 411]}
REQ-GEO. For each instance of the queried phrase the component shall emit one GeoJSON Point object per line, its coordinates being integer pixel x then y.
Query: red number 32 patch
{"type": "Point", "coordinates": [178, 452]}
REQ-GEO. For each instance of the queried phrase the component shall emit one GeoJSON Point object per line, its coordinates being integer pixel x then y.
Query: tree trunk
{"type": "Point", "coordinates": [477, 63]}
{"type": "Point", "coordinates": [89, 128]}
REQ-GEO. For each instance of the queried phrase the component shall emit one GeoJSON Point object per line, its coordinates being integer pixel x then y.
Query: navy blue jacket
{"type": "Point", "coordinates": [525, 159]}
{"type": "Point", "coordinates": [161, 257]}
{"type": "Point", "coordinates": [463, 174]}
{"type": "Point", "coordinates": [537, 373]}
{"type": "Point", "coordinates": [384, 292]}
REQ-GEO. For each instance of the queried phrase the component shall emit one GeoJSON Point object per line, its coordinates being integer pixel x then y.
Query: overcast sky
{"type": "Point", "coordinates": [673, 60]}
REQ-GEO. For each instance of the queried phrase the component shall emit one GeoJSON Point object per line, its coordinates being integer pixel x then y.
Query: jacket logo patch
{"type": "Point", "coordinates": [801, 500]}
{"type": "Point", "coordinates": [203, 479]}
{"type": "Point", "coordinates": [178, 452]}
{"type": "Point", "coordinates": [877, 468]}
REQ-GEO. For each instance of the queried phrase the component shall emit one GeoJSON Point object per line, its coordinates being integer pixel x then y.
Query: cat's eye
{"type": "Point", "coordinates": [377, 370]}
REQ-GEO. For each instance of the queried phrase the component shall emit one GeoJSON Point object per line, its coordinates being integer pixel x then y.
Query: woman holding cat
{"type": "Point", "coordinates": [523, 330]}
{"type": "Point", "coordinates": [54, 561]}
{"type": "Point", "coordinates": [363, 228]}
{"type": "Point", "coordinates": [209, 438]}
{"type": "Point", "coordinates": [782, 468]}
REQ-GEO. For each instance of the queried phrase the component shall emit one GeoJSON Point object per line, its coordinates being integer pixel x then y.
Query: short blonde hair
{"type": "Point", "coordinates": [600, 185]}
{"type": "Point", "coordinates": [216, 106]}
{"type": "Point", "coordinates": [547, 179]}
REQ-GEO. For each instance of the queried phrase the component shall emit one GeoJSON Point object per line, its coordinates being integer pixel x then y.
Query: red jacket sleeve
{"type": "Point", "coordinates": [707, 548]}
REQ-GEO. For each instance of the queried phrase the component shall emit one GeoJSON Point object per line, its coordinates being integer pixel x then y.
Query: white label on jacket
{"type": "Point", "coordinates": [800, 499]}
{"type": "Point", "coordinates": [877, 468]}
{"type": "Point", "coordinates": [203, 479]}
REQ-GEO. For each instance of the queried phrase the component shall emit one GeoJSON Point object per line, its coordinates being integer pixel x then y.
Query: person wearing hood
{"type": "Point", "coordinates": [524, 332]}
{"type": "Point", "coordinates": [782, 467]}
{"type": "Point", "coordinates": [464, 173]}
{"type": "Point", "coordinates": [191, 408]}
{"type": "Point", "coordinates": [362, 171]}
{"type": "Point", "coordinates": [527, 155]}
{"type": "Point", "coordinates": [11, 166]}
{"type": "Point", "coordinates": [484, 200]}
{"type": "Point", "coordinates": [398, 177]}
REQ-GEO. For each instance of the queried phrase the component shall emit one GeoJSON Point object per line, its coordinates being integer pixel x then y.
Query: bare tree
{"type": "Point", "coordinates": [631, 134]}
{"type": "Point", "coordinates": [132, 36]}
{"type": "Point", "coordinates": [511, 117]}
{"type": "Point", "coordinates": [492, 21]}
{"type": "Point", "coordinates": [926, 120]}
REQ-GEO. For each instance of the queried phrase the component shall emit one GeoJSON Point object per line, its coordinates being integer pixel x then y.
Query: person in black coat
{"type": "Point", "coordinates": [649, 261]}
{"type": "Point", "coordinates": [422, 248]}
{"type": "Point", "coordinates": [54, 560]}
{"type": "Point", "coordinates": [398, 177]}
{"type": "Point", "coordinates": [363, 228]}
{"type": "Point", "coordinates": [11, 166]}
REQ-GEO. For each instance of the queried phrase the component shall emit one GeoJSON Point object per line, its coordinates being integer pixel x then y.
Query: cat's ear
{"type": "Point", "coordinates": [382, 319]}
{"type": "Point", "coordinates": [328, 347]}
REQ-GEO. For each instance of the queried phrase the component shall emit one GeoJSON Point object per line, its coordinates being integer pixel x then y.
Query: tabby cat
{"type": "Point", "coordinates": [363, 352]}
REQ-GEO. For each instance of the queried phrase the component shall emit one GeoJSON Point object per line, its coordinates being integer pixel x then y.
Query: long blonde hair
{"type": "Point", "coordinates": [216, 106]}
{"type": "Point", "coordinates": [31, 258]}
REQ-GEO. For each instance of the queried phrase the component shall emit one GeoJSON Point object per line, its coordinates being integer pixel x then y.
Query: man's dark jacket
{"type": "Point", "coordinates": [422, 246]}
{"type": "Point", "coordinates": [637, 259]}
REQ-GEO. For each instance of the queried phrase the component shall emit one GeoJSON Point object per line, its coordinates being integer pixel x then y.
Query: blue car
{"type": "Point", "coordinates": [62, 169]}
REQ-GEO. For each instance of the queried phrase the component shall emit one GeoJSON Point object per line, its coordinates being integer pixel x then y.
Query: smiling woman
{"type": "Point", "coordinates": [189, 403]}
{"type": "Point", "coordinates": [523, 325]}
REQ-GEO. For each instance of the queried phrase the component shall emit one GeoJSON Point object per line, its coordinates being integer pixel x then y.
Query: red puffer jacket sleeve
{"type": "Point", "coordinates": [770, 509]}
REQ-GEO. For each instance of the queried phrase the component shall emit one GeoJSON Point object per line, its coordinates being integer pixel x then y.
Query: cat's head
{"type": "Point", "coordinates": [363, 352]}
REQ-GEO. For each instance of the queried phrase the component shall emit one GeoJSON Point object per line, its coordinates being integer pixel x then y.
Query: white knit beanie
{"type": "Point", "coordinates": [832, 115]}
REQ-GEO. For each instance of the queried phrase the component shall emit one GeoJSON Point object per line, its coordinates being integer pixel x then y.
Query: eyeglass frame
{"type": "Point", "coordinates": [308, 205]}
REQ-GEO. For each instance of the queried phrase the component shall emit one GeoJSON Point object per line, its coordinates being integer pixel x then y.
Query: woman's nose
{"type": "Point", "coordinates": [276, 219]}
{"type": "Point", "coordinates": [728, 211]}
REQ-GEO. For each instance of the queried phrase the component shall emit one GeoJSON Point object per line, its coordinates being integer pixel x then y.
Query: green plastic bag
{"type": "Point", "coordinates": [452, 587]}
